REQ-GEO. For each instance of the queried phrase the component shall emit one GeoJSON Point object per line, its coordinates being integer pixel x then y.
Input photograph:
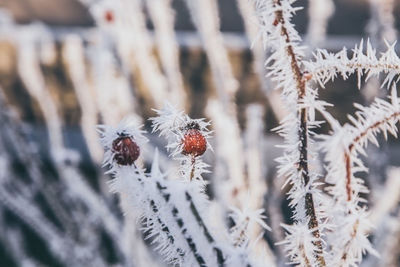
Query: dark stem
{"type": "Point", "coordinates": [303, 133]}
{"type": "Point", "coordinates": [193, 166]}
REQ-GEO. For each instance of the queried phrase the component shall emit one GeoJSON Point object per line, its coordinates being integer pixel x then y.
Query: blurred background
{"type": "Point", "coordinates": [68, 65]}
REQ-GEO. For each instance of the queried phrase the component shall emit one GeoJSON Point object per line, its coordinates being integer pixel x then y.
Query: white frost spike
{"type": "Point", "coordinates": [244, 222]}
{"type": "Point", "coordinates": [298, 244]}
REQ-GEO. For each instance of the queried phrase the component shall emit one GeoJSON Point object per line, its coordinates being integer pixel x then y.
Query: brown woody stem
{"type": "Point", "coordinates": [351, 147]}
{"type": "Point", "coordinates": [303, 133]}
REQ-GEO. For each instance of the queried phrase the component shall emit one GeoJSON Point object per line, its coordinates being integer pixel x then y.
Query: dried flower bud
{"type": "Point", "coordinates": [193, 143]}
{"type": "Point", "coordinates": [125, 150]}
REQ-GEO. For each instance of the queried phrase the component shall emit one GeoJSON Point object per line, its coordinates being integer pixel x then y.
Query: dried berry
{"type": "Point", "coordinates": [194, 143]}
{"type": "Point", "coordinates": [109, 16]}
{"type": "Point", "coordinates": [125, 150]}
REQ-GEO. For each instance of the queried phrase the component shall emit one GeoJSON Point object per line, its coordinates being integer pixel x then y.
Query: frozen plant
{"type": "Point", "coordinates": [173, 213]}
{"type": "Point", "coordinates": [331, 224]}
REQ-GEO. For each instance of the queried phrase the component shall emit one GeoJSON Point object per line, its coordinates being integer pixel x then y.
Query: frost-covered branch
{"type": "Point", "coordinates": [162, 16]}
{"type": "Point", "coordinates": [350, 140]}
{"type": "Point", "coordinates": [327, 66]}
{"type": "Point", "coordinates": [74, 56]}
{"type": "Point", "coordinates": [285, 65]}
{"type": "Point", "coordinates": [343, 147]}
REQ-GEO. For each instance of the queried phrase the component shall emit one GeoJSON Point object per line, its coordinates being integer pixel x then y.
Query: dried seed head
{"type": "Point", "coordinates": [125, 150]}
{"type": "Point", "coordinates": [193, 143]}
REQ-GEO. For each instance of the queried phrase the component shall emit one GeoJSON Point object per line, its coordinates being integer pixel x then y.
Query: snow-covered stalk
{"type": "Point", "coordinates": [204, 14]}
{"type": "Point", "coordinates": [380, 28]}
{"type": "Point", "coordinates": [382, 22]}
{"type": "Point", "coordinates": [247, 11]}
{"type": "Point", "coordinates": [32, 76]}
{"type": "Point", "coordinates": [74, 56]}
{"type": "Point", "coordinates": [230, 183]}
{"type": "Point", "coordinates": [319, 12]}
{"type": "Point", "coordinates": [285, 64]}
{"type": "Point", "coordinates": [162, 16]}
{"type": "Point", "coordinates": [113, 93]}
{"type": "Point", "coordinates": [124, 22]}
{"type": "Point", "coordinates": [256, 172]}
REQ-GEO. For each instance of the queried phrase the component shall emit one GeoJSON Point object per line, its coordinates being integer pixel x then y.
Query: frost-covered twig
{"type": "Point", "coordinates": [162, 16]}
{"type": "Point", "coordinates": [229, 168]}
{"type": "Point", "coordinates": [247, 11]}
{"type": "Point", "coordinates": [74, 55]}
{"type": "Point", "coordinates": [205, 17]}
{"type": "Point", "coordinates": [33, 78]}
{"type": "Point", "coordinates": [327, 66]}
{"type": "Point", "coordinates": [285, 65]}
{"type": "Point", "coordinates": [343, 146]}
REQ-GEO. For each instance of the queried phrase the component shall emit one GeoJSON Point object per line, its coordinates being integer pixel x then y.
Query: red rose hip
{"type": "Point", "coordinates": [194, 143]}
{"type": "Point", "coordinates": [125, 150]}
{"type": "Point", "coordinates": [109, 16]}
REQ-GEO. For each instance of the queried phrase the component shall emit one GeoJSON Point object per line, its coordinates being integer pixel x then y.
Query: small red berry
{"type": "Point", "coordinates": [194, 143]}
{"type": "Point", "coordinates": [109, 16]}
{"type": "Point", "coordinates": [125, 150]}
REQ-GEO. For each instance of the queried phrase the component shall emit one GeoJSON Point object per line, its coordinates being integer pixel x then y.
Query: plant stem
{"type": "Point", "coordinates": [303, 133]}
{"type": "Point", "coordinates": [193, 166]}
{"type": "Point", "coordinates": [347, 153]}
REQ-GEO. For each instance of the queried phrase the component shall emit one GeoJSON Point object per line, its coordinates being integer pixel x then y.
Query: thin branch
{"type": "Point", "coordinates": [303, 131]}
{"type": "Point", "coordinates": [326, 66]}
{"type": "Point", "coordinates": [357, 140]}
